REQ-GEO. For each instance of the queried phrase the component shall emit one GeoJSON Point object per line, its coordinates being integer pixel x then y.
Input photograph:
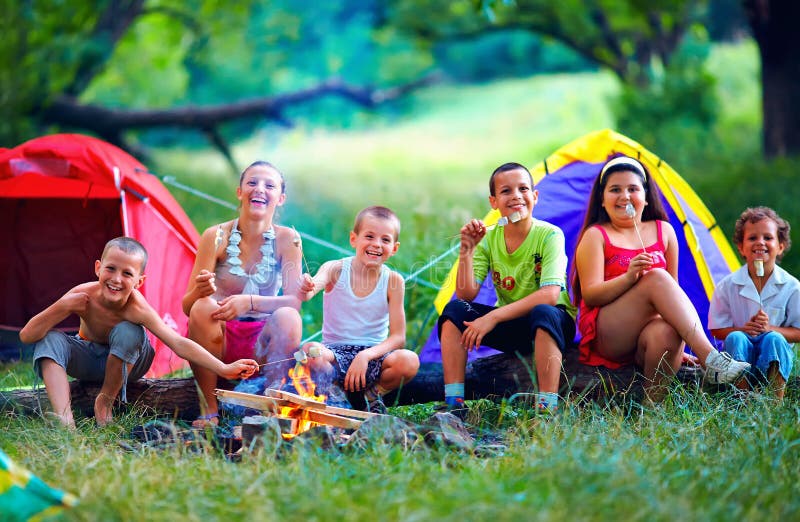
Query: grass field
{"type": "Point", "coordinates": [698, 456]}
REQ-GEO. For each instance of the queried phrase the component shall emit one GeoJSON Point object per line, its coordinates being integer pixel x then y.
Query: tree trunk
{"type": "Point", "coordinates": [774, 24]}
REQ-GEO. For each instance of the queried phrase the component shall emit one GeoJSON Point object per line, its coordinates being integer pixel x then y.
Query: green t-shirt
{"type": "Point", "coordinates": [539, 261]}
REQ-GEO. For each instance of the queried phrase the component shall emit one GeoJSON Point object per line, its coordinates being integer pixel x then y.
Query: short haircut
{"type": "Point", "coordinates": [380, 213]}
{"type": "Point", "coordinates": [505, 167]}
{"type": "Point", "coordinates": [268, 165]}
{"type": "Point", "coordinates": [756, 214]}
{"type": "Point", "coordinates": [129, 246]}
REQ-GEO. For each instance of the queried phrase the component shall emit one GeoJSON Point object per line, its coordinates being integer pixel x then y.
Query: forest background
{"type": "Point", "coordinates": [409, 103]}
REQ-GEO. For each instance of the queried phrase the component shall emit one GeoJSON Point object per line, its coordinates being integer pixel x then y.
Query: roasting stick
{"type": "Point", "coordinates": [298, 242]}
{"type": "Point", "coordinates": [759, 266]}
{"type": "Point", "coordinates": [300, 356]}
{"type": "Point", "coordinates": [631, 212]}
{"type": "Point", "coordinates": [501, 222]}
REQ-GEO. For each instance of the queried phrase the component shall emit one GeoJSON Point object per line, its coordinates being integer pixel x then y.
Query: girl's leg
{"type": "Point", "coordinates": [621, 322]}
{"type": "Point", "coordinates": [210, 334]}
{"type": "Point", "coordinates": [659, 353]}
{"type": "Point", "coordinates": [281, 335]}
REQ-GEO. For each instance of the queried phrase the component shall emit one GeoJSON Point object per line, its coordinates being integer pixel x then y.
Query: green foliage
{"type": "Point", "coordinates": [675, 113]}
{"type": "Point", "coordinates": [39, 54]}
{"type": "Point", "coordinates": [151, 54]}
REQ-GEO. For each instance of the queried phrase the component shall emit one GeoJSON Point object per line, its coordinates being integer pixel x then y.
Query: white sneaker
{"type": "Point", "coordinates": [721, 368]}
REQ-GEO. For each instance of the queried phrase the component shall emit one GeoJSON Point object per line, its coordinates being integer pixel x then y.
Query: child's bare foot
{"type": "Point", "coordinates": [103, 409]}
{"type": "Point", "coordinates": [65, 419]}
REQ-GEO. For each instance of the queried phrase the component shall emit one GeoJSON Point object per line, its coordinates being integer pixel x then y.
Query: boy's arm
{"type": "Point", "coordinates": [397, 319]}
{"type": "Point", "coordinates": [310, 286]}
{"type": "Point", "coordinates": [142, 313]}
{"type": "Point", "coordinates": [790, 333]}
{"type": "Point", "coordinates": [467, 287]}
{"type": "Point", "coordinates": [73, 302]}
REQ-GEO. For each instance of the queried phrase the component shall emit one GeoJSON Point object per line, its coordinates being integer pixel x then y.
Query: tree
{"type": "Point", "coordinates": [627, 37]}
{"type": "Point", "coordinates": [66, 64]}
{"type": "Point", "coordinates": [774, 25]}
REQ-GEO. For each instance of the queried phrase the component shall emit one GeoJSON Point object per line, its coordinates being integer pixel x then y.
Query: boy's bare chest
{"type": "Point", "coordinates": [98, 321]}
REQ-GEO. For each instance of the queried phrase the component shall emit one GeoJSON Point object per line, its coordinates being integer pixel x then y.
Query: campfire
{"type": "Point", "coordinates": [297, 412]}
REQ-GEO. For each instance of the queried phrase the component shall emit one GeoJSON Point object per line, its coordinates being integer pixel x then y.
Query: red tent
{"type": "Point", "coordinates": [61, 198]}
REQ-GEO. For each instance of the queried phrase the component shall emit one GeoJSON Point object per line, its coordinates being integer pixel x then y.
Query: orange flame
{"type": "Point", "coordinates": [306, 387]}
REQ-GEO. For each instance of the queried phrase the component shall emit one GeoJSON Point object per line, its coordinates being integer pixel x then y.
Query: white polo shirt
{"type": "Point", "coordinates": [735, 300]}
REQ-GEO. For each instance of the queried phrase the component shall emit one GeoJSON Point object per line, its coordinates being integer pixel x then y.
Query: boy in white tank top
{"type": "Point", "coordinates": [364, 322]}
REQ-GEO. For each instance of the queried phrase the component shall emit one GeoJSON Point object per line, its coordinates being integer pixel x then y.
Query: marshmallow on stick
{"type": "Point", "coordinates": [298, 243]}
{"type": "Point", "coordinates": [631, 213]}
{"type": "Point", "coordinates": [759, 266]}
{"type": "Point", "coordinates": [501, 222]}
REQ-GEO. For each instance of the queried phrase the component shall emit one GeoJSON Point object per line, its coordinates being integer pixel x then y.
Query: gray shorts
{"type": "Point", "coordinates": [86, 360]}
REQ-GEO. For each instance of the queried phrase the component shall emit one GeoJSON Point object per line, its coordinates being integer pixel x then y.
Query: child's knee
{"type": "Point", "coordinates": [737, 344]}
{"type": "Point", "coordinates": [127, 341]}
{"type": "Point", "coordinates": [406, 362]}
{"type": "Point", "coordinates": [53, 347]}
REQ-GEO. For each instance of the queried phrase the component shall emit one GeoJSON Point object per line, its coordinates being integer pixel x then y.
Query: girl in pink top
{"type": "Point", "coordinates": [631, 306]}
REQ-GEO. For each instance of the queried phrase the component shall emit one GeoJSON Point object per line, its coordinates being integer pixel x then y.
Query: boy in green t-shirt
{"type": "Point", "coordinates": [528, 266]}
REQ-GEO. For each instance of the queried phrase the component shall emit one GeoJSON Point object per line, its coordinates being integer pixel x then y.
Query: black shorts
{"type": "Point", "coordinates": [516, 335]}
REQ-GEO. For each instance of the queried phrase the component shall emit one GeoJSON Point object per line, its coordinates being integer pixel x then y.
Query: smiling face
{"type": "Point", "coordinates": [375, 241]}
{"type": "Point", "coordinates": [261, 189]}
{"type": "Point", "coordinates": [513, 193]}
{"type": "Point", "coordinates": [760, 241]}
{"type": "Point", "coordinates": [119, 273]}
{"type": "Point", "coordinates": [621, 188]}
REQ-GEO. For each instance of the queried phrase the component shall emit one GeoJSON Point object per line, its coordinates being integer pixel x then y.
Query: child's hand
{"type": "Point", "coordinates": [356, 377]}
{"type": "Point", "coordinates": [476, 330]}
{"type": "Point", "coordinates": [758, 324]}
{"type": "Point", "coordinates": [241, 369]}
{"type": "Point", "coordinates": [639, 264]}
{"type": "Point", "coordinates": [76, 302]}
{"type": "Point", "coordinates": [205, 283]}
{"type": "Point", "coordinates": [232, 307]}
{"type": "Point", "coordinates": [306, 283]}
{"type": "Point", "coordinates": [471, 234]}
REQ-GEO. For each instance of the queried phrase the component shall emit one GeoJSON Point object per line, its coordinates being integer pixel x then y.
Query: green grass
{"type": "Point", "coordinates": [696, 457]}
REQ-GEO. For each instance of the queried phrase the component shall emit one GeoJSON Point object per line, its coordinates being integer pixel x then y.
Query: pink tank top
{"type": "Point", "coordinates": [616, 261]}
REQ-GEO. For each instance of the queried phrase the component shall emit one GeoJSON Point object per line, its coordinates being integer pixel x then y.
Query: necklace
{"type": "Point", "coordinates": [264, 268]}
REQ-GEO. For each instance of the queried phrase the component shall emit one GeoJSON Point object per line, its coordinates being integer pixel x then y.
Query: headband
{"type": "Point", "coordinates": [631, 163]}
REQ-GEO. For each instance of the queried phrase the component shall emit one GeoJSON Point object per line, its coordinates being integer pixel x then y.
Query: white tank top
{"type": "Point", "coordinates": [349, 319]}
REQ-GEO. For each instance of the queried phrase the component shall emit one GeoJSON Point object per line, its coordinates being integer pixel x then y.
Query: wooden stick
{"type": "Point", "coordinates": [314, 405]}
{"type": "Point", "coordinates": [249, 400]}
{"type": "Point", "coordinates": [272, 405]}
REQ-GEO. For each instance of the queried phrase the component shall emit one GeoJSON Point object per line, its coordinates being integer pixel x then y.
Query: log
{"type": "Point", "coordinates": [171, 397]}
{"type": "Point", "coordinates": [496, 376]}
{"type": "Point", "coordinates": [504, 375]}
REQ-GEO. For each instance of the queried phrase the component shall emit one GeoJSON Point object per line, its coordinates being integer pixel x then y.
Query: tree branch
{"type": "Point", "coordinates": [111, 123]}
{"type": "Point", "coordinates": [111, 25]}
